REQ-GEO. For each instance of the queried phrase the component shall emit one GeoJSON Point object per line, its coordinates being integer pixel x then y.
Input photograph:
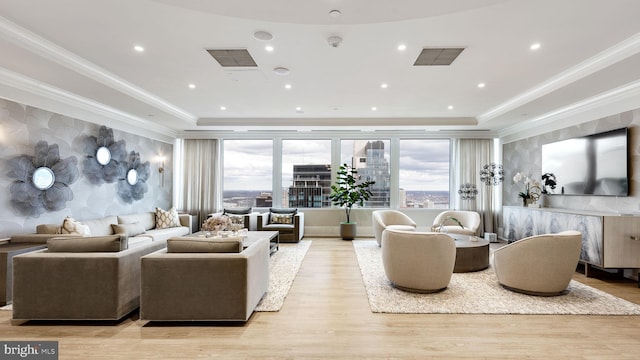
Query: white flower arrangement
{"type": "Point", "coordinates": [216, 222]}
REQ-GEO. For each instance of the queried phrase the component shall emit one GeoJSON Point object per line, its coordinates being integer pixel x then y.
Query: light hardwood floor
{"type": "Point", "coordinates": [327, 315]}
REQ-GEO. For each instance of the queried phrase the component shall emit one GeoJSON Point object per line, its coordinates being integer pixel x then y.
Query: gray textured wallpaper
{"type": "Point", "coordinates": [526, 156]}
{"type": "Point", "coordinates": [29, 137]}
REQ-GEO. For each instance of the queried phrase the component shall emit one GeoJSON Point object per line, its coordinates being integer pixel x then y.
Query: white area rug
{"type": "Point", "coordinates": [478, 293]}
{"type": "Point", "coordinates": [284, 266]}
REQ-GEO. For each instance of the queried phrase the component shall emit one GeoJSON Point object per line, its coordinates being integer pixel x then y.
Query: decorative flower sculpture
{"type": "Point", "coordinates": [133, 185]}
{"type": "Point", "coordinates": [492, 174]}
{"type": "Point", "coordinates": [49, 189]}
{"type": "Point", "coordinates": [108, 166]}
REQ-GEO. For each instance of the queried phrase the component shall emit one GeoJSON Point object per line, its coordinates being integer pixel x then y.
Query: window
{"type": "Point", "coordinates": [306, 173]}
{"type": "Point", "coordinates": [371, 159]}
{"type": "Point", "coordinates": [424, 173]}
{"type": "Point", "coordinates": [248, 173]}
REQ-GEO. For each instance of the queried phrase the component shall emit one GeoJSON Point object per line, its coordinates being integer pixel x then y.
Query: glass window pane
{"type": "Point", "coordinates": [371, 159]}
{"type": "Point", "coordinates": [248, 173]}
{"type": "Point", "coordinates": [306, 173]}
{"type": "Point", "coordinates": [424, 173]}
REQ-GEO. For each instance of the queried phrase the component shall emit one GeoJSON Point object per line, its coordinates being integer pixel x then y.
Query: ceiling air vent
{"type": "Point", "coordinates": [233, 57]}
{"type": "Point", "coordinates": [437, 56]}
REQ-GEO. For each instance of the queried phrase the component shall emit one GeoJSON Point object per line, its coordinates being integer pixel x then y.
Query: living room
{"type": "Point", "coordinates": [64, 89]}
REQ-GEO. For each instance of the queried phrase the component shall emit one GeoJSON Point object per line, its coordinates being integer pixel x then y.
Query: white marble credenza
{"type": "Point", "coordinates": [608, 240]}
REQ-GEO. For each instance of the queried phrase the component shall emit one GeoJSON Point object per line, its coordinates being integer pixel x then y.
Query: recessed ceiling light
{"type": "Point", "coordinates": [298, 108]}
{"type": "Point", "coordinates": [223, 108]}
{"type": "Point", "coordinates": [138, 48]}
{"type": "Point", "coordinates": [535, 46]}
{"type": "Point", "coordinates": [263, 35]}
{"type": "Point", "coordinates": [481, 85]}
{"type": "Point", "coordinates": [384, 85]}
{"type": "Point", "coordinates": [373, 108]}
{"type": "Point", "coordinates": [402, 47]}
{"type": "Point", "coordinates": [192, 86]}
{"type": "Point", "coordinates": [287, 86]}
{"type": "Point", "coordinates": [450, 107]}
{"type": "Point", "coordinates": [269, 48]}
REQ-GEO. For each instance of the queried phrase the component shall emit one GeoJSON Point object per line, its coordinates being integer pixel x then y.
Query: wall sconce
{"type": "Point", "coordinates": [161, 170]}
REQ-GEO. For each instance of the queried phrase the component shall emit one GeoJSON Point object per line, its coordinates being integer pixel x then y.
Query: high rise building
{"type": "Point", "coordinates": [369, 161]}
{"type": "Point", "coordinates": [311, 186]}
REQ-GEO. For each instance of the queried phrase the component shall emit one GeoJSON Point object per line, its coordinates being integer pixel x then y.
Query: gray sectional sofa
{"type": "Point", "coordinates": [195, 279]}
{"type": "Point", "coordinates": [86, 278]}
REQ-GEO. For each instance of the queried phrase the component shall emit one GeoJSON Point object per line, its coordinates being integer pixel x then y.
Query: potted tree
{"type": "Point", "coordinates": [347, 192]}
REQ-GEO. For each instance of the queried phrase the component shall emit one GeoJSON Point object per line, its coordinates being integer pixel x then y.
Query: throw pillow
{"type": "Point", "coordinates": [75, 227]}
{"type": "Point", "coordinates": [281, 218]}
{"type": "Point", "coordinates": [167, 219]}
{"type": "Point", "coordinates": [110, 243]}
{"type": "Point", "coordinates": [236, 219]}
{"type": "Point", "coordinates": [131, 229]}
{"type": "Point", "coordinates": [241, 211]}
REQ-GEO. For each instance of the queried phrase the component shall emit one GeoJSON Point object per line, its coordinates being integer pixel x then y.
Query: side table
{"type": "Point", "coordinates": [7, 252]}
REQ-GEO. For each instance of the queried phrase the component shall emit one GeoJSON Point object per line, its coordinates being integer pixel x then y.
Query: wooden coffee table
{"type": "Point", "coordinates": [470, 255]}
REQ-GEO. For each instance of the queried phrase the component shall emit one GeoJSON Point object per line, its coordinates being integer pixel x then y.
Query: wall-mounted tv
{"type": "Point", "coordinates": [596, 164]}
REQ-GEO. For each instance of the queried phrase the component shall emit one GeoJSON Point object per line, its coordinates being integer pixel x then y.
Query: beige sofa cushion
{"type": "Point", "coordinates": [146, 219]}
{"type": "Point", "coordinates": [185, 245]}
{"type": "Point", "coordinates": [102, 226]}
{"type": "Point", "coordinates": [132, 229]}
{"type": "Point", "coordinates": [113, 243]}
{"type": "Point", "coordinates": [48, 229]}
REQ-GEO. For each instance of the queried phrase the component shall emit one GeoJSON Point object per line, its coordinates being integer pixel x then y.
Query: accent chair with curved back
{"type": "Point", "coordinates": [418, 261]}
{"type": "Point", "coordinates": [384, 219]}
{"type": "Point", "coordinates": [540, 265]}
{"type": "Point", "coordinates": [470, 221]}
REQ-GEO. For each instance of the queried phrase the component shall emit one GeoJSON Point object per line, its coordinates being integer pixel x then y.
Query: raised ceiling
{"type": "Point", "coordinates": [82, 53]}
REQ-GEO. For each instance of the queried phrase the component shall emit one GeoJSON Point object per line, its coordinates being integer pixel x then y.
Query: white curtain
{"type": "Point", "coordinates": [470, 155]}
{"type": "Point", "coordinates": [200, 169]}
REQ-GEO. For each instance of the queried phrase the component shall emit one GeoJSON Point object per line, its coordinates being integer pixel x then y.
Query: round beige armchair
{"type": "Point", "coordinates": [384, 219]}
{"type": "Point", "coordinates": [418, 261]}
{"type": "Point", "coordinates": [445, 222]}
{"type": "Point", "coordinates": [540, 265]}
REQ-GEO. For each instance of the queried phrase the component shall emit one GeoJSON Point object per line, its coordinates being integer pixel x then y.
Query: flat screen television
{"type": "Point", "coordinates": [596, 164]}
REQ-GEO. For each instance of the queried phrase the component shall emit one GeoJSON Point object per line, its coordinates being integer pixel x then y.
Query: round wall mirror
{"type": "Point", "coordinates": [43, 178]}
{"type": "Point", "coordinates": [132, 176]}
{"type": "Point", "coordinates": [103, 155]}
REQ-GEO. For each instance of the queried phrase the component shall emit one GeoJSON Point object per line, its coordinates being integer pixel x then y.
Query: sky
{"type": "Point", "coordinates": [424, 164]}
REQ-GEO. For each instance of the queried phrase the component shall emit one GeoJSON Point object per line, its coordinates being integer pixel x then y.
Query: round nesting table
{"type": "Point", "coordinates": [470, 255]}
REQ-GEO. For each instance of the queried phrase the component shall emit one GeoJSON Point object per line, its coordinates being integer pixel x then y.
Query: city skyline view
{"type": "Point", "coordinates": [248, 164]}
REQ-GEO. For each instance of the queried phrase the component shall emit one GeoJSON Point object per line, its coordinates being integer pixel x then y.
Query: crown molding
{"type": "Point", "coordinates": [48, 50]}
{"type": "Point", "coordinates": [612, 55]}
{"type": "Point", "coordinates": [31, 92]}
{"type": "Point", "coordinates": [622, 98]}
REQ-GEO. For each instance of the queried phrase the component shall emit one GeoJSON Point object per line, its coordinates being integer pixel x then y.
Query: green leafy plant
{"type": "Point", "coordinates": [348, 190]}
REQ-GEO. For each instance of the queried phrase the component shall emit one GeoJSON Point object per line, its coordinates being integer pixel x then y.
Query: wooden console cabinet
{"type": "Point", "coordinates": [608, 240]}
